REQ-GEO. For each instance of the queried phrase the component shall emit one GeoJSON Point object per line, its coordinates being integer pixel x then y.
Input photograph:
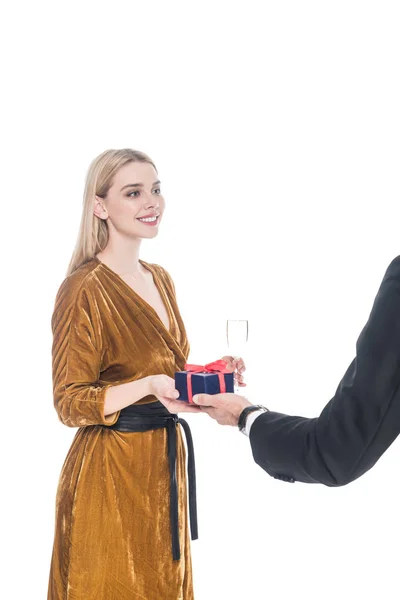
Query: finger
{"type": "Point", "coordinates": [167, 390]}
{"type": "Point", "coordinates": [183, 406]}
{"type": "Point", "coordinates": [172, 393]}
{"type": "Point", "coordinates": [238, 378]}
{"type": "Point", "coordinates": [188, 408]}
{"type": "Point", "coordinates": [229, 362]}
{"type": "Point", "coordinates": [241, 367]}
{"type": "Point", "coordinates": [238, 365]}
{"type": "Point", "coordinates": [170, 396]}
{"type": "Point", "coordinates": [175, 406]}
{"type": "Point", "coordinates": [211, 412]}
{"type": "Point", "coordinates": [203, 399]}
{"type": "Point", "coordinates": [235, 363]}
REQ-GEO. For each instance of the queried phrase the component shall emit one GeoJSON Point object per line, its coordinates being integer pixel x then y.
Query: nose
{"type": "Point", "coordinates": [150, 201]}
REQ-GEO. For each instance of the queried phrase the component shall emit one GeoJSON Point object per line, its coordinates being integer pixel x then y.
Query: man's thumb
{"type": "Point", "coordinates": [198, 399]}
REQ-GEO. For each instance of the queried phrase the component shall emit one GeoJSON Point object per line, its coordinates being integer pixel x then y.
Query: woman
{"type": "Point", "coordinates": [121, 516]}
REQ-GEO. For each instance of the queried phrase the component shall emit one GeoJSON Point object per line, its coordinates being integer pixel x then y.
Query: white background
{"type": "Point", "coordinates": [275, 128]}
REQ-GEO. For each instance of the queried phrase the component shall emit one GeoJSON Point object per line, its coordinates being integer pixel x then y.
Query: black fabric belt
{"type": "Point", "coordinates": [144, 417]}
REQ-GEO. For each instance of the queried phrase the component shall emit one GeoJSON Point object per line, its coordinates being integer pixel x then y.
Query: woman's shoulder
{"type": "Point", "coordinates": [77, 283]}
{"type": "Point", "coordinates": [156, 267]}
{"type": "Point", "coordinates": [163, 274]}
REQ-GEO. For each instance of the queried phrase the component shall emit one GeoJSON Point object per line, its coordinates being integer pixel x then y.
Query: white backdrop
{"type": "Point", "coordinates": [275, 127]}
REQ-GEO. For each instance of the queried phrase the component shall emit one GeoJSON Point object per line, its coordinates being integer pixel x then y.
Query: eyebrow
{"type": "Point", "coordinates": [134, 185]}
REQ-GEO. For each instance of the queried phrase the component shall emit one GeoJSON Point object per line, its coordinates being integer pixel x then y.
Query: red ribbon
{"type": "Point", "coordinates": [219, 367]}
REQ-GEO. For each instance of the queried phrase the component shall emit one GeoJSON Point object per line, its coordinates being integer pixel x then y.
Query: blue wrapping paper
{"type": "Point", "coordinates": [202, 383]}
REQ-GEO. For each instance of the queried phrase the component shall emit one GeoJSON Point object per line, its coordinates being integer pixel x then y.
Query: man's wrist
{"type": "Point", "coordinates": [245, 404]}
{"type": "Point", "coordinates": [244, 414]}
{"type": "Point", "coordinates": [248, 416]}
{"type": "Point", "coordinates": [250, 421]}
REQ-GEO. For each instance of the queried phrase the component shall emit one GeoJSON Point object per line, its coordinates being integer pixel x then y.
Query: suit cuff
{"type": "Point", "coordinates": [250, 420]}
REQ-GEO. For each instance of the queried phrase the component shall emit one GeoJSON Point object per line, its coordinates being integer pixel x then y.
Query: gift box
{"type": "Point", "coordinates": [213, 378]}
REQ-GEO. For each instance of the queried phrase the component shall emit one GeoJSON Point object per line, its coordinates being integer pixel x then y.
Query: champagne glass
{"type": "Point", "coordinates": [237, 335]}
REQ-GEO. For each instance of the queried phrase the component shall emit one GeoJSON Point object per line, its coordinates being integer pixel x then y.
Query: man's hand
{"type": "Point", "coordinates": [224, 408]}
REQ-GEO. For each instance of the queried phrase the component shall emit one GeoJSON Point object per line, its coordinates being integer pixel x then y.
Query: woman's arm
{"type": "Point", "coordinates": [360, 422]}
{"type": "Point", "coordinates": [79, 397]}
{"type": "Point", "coordinates": [120, 396]}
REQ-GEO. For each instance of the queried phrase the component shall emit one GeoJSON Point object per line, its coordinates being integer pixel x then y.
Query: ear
{"type": "Point", "coordinates": [99, 208]}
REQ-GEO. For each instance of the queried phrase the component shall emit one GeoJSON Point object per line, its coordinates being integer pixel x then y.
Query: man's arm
{"type": "Point", "coordinates": [360, 422]}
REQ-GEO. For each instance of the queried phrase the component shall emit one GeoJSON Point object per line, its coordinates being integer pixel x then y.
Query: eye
{"type": "Point", "coordinates": [157, 191]}
{"type": "Point", "coordinates": [134, 194]}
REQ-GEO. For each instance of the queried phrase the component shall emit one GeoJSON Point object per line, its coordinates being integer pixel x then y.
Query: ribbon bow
{"type": "Point", "coordinates": [218, 367]}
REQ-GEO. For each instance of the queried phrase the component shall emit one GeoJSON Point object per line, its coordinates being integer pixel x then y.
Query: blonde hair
{"type": "Point", "coordinates": [93, 232]}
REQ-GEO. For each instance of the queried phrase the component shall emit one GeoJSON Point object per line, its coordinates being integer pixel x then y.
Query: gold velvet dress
{"type": "Point", "coordinates": [112, 529]}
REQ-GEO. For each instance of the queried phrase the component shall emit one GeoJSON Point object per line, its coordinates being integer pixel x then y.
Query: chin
{"type": "Point", "coordinates": [147, 231]}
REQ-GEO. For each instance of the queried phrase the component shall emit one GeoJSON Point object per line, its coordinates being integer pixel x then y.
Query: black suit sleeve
{"type": "Point", "coordinates": [360, 422]}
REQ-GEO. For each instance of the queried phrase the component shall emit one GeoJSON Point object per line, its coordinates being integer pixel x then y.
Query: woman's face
{"type": "Point", "coordinates": [134, 204]}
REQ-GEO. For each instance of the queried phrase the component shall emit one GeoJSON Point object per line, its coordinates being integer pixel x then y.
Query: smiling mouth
{"type": "Point", "coordinates": [149, 220]}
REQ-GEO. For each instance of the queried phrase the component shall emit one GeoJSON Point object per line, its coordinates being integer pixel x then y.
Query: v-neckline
{"type": "Point", "coordinates": [148, 306]}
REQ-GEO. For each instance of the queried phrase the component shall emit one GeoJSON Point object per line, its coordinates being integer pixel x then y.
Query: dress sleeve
{"type": "Point", "coordinates": [362, 419]}
{"type": "Point", "coordinates": [76, 358]}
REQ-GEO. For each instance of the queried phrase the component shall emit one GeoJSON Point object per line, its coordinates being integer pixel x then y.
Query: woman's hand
{"type": "Point", "coordinates": [163, 388]}
{"type": "Point", "coordinates": [238, 367]}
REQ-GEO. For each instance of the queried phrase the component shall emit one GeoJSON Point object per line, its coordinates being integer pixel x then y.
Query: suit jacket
{"type": "Point", "coordinates": [362, 419]}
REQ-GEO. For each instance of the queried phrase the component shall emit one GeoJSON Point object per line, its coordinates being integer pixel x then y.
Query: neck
{"type": "Point", "coordinates": [122, 256]}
